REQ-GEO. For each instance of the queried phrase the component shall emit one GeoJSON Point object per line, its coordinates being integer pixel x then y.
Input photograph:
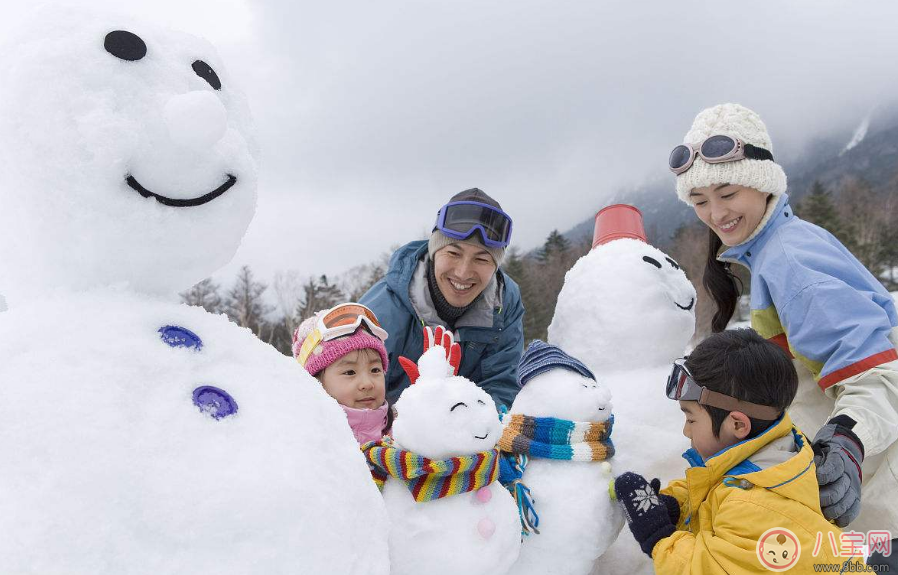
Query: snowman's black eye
{"type": "Point", "coordinates": [652, 261]}
{"type": "Point", "coordinates": [675, 265]}
{"type": "Point", "coordinates": [125, 45]}
{"type": "Point", "coordinates": [206, 72]}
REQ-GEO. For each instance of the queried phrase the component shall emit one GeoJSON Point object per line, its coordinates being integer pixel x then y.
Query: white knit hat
{"type": "Point", "coordinates": [739, 122]}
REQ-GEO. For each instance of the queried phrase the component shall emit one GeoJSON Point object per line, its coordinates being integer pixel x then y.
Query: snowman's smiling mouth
{"type": "Point", "coordinates": [179, 202]}
{"type": "Point", "coordinates": [688, 307]}
{"type": "Point", "coordinates": [485, 435]}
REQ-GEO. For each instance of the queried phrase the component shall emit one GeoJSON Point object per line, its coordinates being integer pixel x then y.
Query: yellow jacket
{"type": "Point", "coordinates": [728, 502]}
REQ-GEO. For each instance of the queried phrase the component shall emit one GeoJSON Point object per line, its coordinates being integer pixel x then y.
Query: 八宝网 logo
{"type": "Point", "coordinates": [778, 549]}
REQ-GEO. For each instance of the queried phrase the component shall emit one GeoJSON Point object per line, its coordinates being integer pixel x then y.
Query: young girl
{"type": "Point", "coordinates": [811, 296]}
{"type": "Point", "coordinates": [343, 348]}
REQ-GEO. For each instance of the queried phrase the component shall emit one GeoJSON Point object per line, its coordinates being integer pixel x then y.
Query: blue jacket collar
{"type": "Point", "coordinates": [405, 261]}
{"type": "Point", "coordinates": [402, 268]}
{"type": "Point", "coordinates": [742, 253]}
{"type": "Point", "coordinates": [696, 460]}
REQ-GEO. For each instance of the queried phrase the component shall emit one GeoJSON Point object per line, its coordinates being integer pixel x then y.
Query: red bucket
{"type": "Point", "coordinates": [618, 221]}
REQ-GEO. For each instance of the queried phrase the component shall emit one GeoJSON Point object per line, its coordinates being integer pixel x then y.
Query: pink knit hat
{"type": "Point", "coordinates": [327, 352]}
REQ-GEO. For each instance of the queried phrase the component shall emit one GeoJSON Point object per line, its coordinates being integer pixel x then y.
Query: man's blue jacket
{"type": "Point", "coordinates": [491, 332]}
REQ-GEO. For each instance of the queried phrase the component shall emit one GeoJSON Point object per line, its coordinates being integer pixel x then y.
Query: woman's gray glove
{"type": "Point", "coordinates": [838, 454]}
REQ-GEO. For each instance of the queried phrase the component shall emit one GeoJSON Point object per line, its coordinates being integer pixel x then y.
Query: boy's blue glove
{"type": "Point", "coordinates": [838, 454]}
{"type": "Point", "coordinates": [647, 516]}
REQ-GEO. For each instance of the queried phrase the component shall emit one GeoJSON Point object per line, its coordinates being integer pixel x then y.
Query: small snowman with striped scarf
{"type": "Point", "coordinates": [439, 472]}
{"type": "Point", "coordinates": [627, 310]}
{"type": "Point", "coordinates": [557, 438]}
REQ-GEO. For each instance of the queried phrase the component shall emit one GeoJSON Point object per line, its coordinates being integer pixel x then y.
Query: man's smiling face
{"type": "Point", "coordinates": [463, 271]}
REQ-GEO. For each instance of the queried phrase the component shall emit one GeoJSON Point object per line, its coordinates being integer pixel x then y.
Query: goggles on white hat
{"type": "Point", "coordinates": [715, 150]}
{"type": "Point", "coordinates": [681, 386]}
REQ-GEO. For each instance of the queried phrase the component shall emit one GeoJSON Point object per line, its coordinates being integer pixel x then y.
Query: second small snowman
{"type": "Point", "coordinates": [447, 512]}
{"type": "Point", "coordinates": [558, 432]}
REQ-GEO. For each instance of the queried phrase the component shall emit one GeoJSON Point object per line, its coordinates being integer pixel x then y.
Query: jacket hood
{"type": "Point", "coordinates": [780, 459]}
{"type": "Point", "coordinates": [777, 215]}
{"type": "Point", "coordinates": [407, 279]}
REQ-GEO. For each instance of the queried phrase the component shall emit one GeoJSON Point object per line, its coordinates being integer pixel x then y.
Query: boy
{"type": "Point", "coordinates": [752, 471]}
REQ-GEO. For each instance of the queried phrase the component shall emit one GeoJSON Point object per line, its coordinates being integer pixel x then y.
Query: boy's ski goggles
{"type": "Point", "coordinates": [714, 150]}
{"type": "Point", "coordinates": [681, 387]}
{"type": "Point", "coordinates": [459, 220]}
{"type": "Point", "coordinates": [339, 321]}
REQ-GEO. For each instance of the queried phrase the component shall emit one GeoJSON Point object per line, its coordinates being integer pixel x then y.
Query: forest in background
{"type": "Point", "coordinates": [862, 217]}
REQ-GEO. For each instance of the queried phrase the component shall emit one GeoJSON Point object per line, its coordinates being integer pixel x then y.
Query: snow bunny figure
{"type": "Point", "coordinates": [558, 430]}
{"type": "Point", "coordinates": [627, 311]}
{"type": "Point", "coordinates": [448, 514]}
{"type": "Point", "coordinates": [140, 436]}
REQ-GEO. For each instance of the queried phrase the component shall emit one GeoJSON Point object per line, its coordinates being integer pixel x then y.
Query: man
{"type": "Point", "coordinates": [454, 280]}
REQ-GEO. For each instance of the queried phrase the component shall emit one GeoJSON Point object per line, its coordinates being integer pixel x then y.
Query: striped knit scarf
{"type": "Point", "coordinates": [552, 438]}
{"type": "Point", "coordinates": [430, 479]}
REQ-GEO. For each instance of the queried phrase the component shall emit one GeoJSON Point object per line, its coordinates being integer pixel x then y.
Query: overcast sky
{"type": "Point", "coordinates": [372, 114]}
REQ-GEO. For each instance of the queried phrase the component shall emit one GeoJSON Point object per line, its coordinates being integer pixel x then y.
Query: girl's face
{"type": "Point", "coordinates": [732, 211]}
{"type": "Point", "coordinates": [356, 380]}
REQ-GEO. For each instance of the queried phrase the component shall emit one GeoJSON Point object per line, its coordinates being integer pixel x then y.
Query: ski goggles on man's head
{"type": "Point", "coordinates": [458, 220]}
{"type": "Point", "coordinates": [338, 321]}
{"type": "Point", "coordinates": [681, 387]}
{"type": "Point", "coordinates": [714, 150]}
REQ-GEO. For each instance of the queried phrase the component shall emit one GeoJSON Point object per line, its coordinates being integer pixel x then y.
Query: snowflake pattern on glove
{"type": "Point", "coordinates": [644, 498]}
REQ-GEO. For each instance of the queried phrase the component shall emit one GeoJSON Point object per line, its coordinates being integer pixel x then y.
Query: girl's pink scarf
{"type": "Point", "coordinates": [367, 424]}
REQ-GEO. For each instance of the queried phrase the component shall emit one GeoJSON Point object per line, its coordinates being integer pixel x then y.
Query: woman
{"type": "Point", "coordinates": [811, 296]}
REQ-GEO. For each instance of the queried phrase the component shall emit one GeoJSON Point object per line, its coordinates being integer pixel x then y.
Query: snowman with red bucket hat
{"type": "Point", "coordinates": [627, 310]}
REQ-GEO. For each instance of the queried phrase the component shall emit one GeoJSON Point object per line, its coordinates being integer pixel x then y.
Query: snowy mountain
{"type": "Point", "coordinates": [870, 152]}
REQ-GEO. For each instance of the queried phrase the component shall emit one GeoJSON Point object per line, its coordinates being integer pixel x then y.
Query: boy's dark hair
{"type": "Point", "coordinates": [742, 364]}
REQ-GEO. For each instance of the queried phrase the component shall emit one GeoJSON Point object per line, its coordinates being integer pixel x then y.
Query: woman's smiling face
{"type": "Point", "coordinates": [732, 211]}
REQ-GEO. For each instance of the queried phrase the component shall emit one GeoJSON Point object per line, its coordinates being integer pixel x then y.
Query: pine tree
{"type": "Point", "coordinates": [244, 304]}
{"type": "Point", "coordinates": [818, 208]}
{"type": "Point", "coordinates": [514, 265]}
{"type": "Point", "coordinates": [318, 295]}
{"type": "Point", "coordinates": [556, 245]}
{"type": "Point", "coordinates": [205, 295]}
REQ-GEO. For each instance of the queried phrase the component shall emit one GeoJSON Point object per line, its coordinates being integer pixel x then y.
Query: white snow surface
{"type": "Point", "coordinates": [447, 536]}
{"type": "Point", "coordinates": [578, 520]}
{"type": "Point", "coordinates": [426, 422]}
{"type": "Point", "coordinates": [622, 316]}
{"type": "Point", "coordinates": [110, 469]}
{"type": "Point", "coordinates": [617, 311]}
{"type": "Point", "coordinates": [76, 121]}
{"type": "Point", "coordinates": [859, 134]}
{"type": "Point", "coordinates": [109, 465]}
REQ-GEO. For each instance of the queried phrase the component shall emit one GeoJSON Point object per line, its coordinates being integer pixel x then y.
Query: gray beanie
{"type": "Point", "coordinates": [439, 240]}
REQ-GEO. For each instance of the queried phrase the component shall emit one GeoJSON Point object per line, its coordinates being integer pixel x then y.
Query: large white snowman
{"type": "Point", "coordinates": [140, 436]}
{"type": "Point", "coordinates": [451, 516]}
{"type": "Point", "coordinates": [627, 311]}
{"type": "Point", "coordinates": [568, 475]}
